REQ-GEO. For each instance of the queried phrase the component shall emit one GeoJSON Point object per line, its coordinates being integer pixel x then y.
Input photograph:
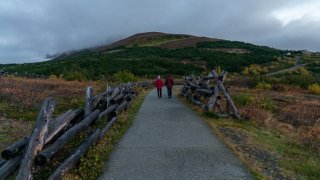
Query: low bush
{"type": "Point", "coordinates": [314, 88]}
{"type": "Point", "coordinates": [262, 85]}
{"type": "Point", "coordinates": [265, 103]}
{"type": "Point", "coordinates": [243, 99]}
{"type": "Point", "coordinates": [124, 76]}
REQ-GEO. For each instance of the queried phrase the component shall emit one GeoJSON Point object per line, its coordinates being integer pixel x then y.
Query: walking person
{"type": "Point", "coordinates": [169, 84]}
{"type": "Point", "coordinates": [159, 85]}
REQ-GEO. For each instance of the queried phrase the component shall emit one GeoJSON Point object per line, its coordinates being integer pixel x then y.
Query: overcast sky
{"type": "Point", "coordinates": [30, 29]}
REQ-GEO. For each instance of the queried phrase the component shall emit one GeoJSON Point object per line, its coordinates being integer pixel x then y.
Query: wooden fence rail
{"type": "Point", "coordinates": [199, 91]}
{"type": "Point", "coordinates": [49, 136]}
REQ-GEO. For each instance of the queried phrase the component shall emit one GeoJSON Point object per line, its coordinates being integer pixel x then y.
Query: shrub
{"type": "Point", "coordinates": [265, 103]}
{"type": "Point", "coordinates": [314, 88]}
{"type": "Point", "coordinates": [245, 71]}
{"type": "Point", "coordinates": [243, 99]}
{"type": "Point", "coordinates": [303, 71]}
{"type": "Point", "coordinates": [52, 77]}
{"type": "Point", "coordinates": [261, 85]}
{"type": "Point", "coordinates": [77, 75]}
{"type": "Point", "coordinates": [254, 69]}
{"type": "Point", "coordinates": [124, 76]}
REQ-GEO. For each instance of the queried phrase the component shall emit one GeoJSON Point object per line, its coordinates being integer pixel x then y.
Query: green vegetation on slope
{"type": "Point", "coordinates": [146, 59]}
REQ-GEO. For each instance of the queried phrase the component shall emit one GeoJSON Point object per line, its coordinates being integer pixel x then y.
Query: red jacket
{"type": "Point", "coordinates": [169, 82]}
{"type": "Point", "coordinates": [159, 83]}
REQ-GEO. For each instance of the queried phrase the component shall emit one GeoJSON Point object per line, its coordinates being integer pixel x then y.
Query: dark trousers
{"type": "Point", "coordinates": [159, 90]}
{"type": "Point", "coordinates": [169, 89]}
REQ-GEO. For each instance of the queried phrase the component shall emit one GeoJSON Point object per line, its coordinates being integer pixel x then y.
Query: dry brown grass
{"type": "Point", "coordinates": [28, 92]}
{"type": "Point", "coordinates": [253, 112]}
{"type": "Point", "coordinates": [311, 136]}
{"type": "Point", "coordinates": [295, 113]}
{"type": "Point", "coordinates": [303, 113]}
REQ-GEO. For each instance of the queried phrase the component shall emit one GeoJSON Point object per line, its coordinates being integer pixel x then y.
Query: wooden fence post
{"type": "Point", "coordinates": [89, 96]}
{"type": "Point", "coordinates": [37, 139]}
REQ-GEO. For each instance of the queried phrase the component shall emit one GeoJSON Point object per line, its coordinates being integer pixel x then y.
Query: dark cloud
{"type": "Point", "coordinates": [31, 29]}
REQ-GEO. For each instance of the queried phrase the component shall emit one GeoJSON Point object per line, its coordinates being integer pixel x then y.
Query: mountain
{"type": "Point", "coordinates": [152, 53]}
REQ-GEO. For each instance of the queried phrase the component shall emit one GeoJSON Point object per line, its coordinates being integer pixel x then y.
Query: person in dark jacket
{"type": "Point", "coordinates": [159, 85]}
{"type": "Point", "coordinates": [169, 84]}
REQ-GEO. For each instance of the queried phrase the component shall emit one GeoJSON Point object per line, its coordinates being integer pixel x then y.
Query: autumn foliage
{"type": "Point", "coordinates": [30, 92]}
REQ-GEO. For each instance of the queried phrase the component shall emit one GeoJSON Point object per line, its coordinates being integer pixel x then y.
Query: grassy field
{"type": "Point", "coordinates": [21, 98]}
{"type": "Point", "coordinates": [278, 136]}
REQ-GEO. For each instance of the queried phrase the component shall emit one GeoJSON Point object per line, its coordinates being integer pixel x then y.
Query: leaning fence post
{"type": "Point", "coordinates": [88, 106]}
{"type": "Point", "coordinates": [37, 139]}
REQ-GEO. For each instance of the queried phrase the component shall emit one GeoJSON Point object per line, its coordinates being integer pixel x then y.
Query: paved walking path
{"type": "Point", "coordinates": [169, 141]}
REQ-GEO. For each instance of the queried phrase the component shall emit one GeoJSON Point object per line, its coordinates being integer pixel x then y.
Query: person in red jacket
{"type": "Point", "coordinates": [159, 85]}
{"type": "Point", "coordinates": [169, 84]}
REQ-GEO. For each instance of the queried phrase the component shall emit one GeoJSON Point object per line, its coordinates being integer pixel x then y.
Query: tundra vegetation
{"type": "Point", "coordinates": [279, 133]}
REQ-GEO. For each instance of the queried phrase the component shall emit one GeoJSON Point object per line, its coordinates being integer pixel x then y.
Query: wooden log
{"type": "Point", "coordinates": [119, 98]}
{"type": "Point", "coordinates": [205, 84]}
{"type": "Point", "coordinates": [133, 93]}
{"type": "Point", "coordinates": [55, 123]}
{"type": "Point", "coordinates": [96, 100]}
{"type": "Point", "coordinates": [62, 123]}
{"type": "Point", "coordinates": [128, 97]}
{"type": "Point", "coordinates": [51, 150]}
{"type": "Point", "coordinates": [107, 127]}
{"type": "Point", "coordinates": [37, 139]}
{"type": "Point", "coordinates": [205, 91]}
{"type": "Point", "coordinates": [105, 99]}
{"type": "Point", "coordinates": [121, 107]}
{"type": "Point", "coordinates": [20, 145]}
{"type": "Point", "coordinates": [213, 98]}
{"type": "Point", "coordinates": [196, 102]}
{"type": "Point", "coordinates": [202, 105]}
{"type": "Point", "coordinates": [229, 100]}
{"type": "Point", "coordinates": [2, 162]}
{"type": "Point", "coordinates": [220, 87]}
{"type": "Point", "coordinates": [129, 103]}
{"type": "Point", "coordinates": [15, 148]}
{"type": "Point", "coordinates": [209, 77]}
{"type": "Point", "coordinates": [214, 74]}
{"type": "Point", "coordinates": [183, 94]}
{"type": "Point", "coordinates": [88, 106]}
{"type": "Point", "coordinates": [10, 166]}
{"type": "Point", "coordinates": [107, 93]}
{"type": "Point", "coordinates": [114, 94]}
{"type": "Point", "coordinates": [107, 111]}
{"type": "Point", "coordinates": [75, 157]}
{"type": "Point", "coordinates": [223, 75]}
{"type": "Point", "coordinates": [193, 85]}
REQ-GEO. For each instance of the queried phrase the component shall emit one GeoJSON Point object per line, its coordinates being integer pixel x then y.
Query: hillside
{"type": "Point", "coordinates": [150, 54]}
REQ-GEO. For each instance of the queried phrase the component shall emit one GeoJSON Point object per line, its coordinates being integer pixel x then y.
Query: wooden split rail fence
{"type": "Point", "coordinates": [200, 92]}
{"type": "Point", "coordinates": [50, 135]}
